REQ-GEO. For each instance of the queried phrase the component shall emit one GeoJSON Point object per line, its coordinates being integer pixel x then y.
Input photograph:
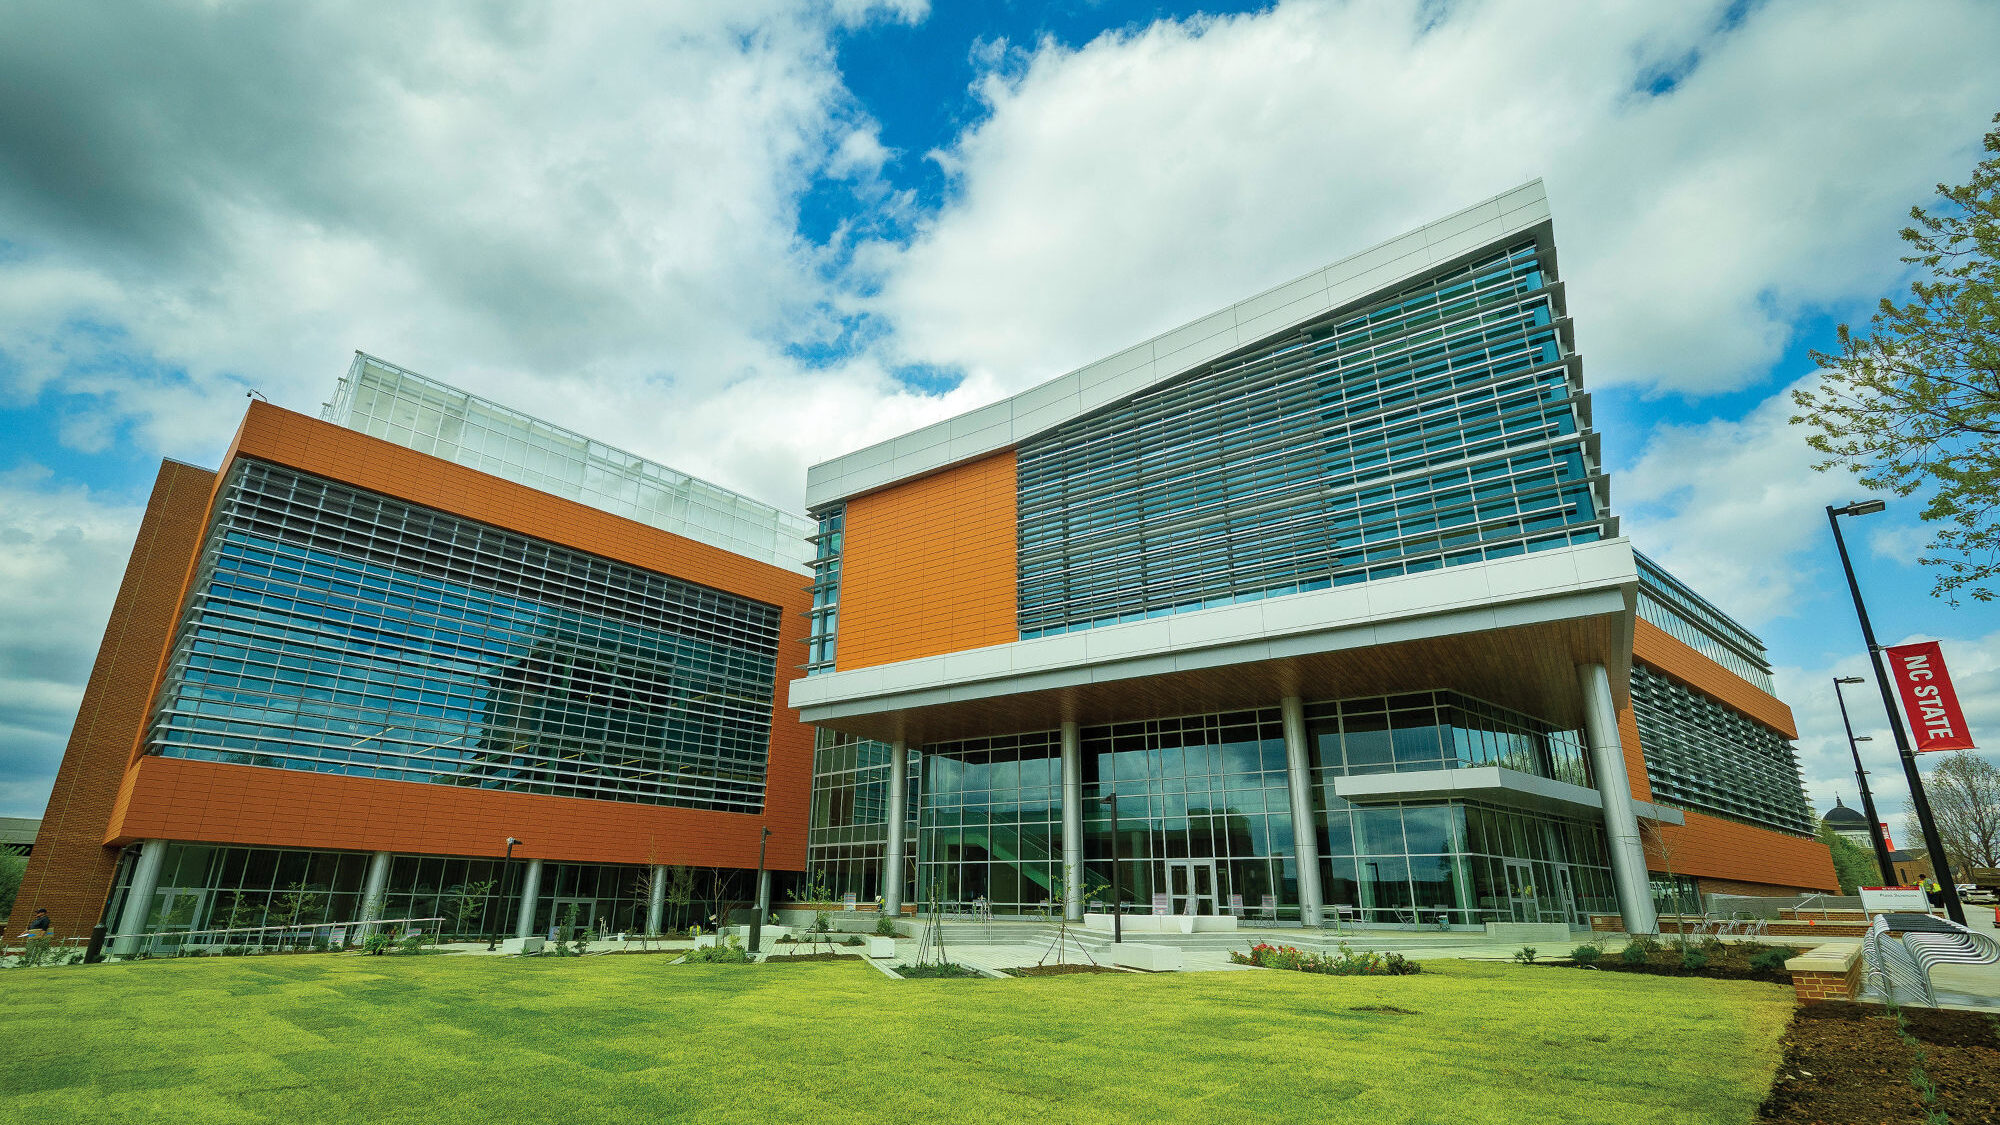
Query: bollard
{"type": "Point", "coordinates": [94, 953]}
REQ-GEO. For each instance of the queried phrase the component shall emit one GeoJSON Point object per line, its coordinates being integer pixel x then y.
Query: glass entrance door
{"type": "Point", "coordinates": [1191, 886]}
{"type": "Point", "coordinates": [1521, 891]}
{"type": "Point", "coordinates": [1565, 894]}
{"type": "Point", "coordinates": [586, 916]}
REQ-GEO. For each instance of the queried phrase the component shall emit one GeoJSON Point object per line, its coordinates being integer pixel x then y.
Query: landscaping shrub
{"type": "Point", "coordinates": [1694, 960]}
{"type": "Point", "coordinates": [885, 926]}
{"type": "Point", "coordinates": [941, 970]}
{"type": "Point", "coordinates": [1772, 960]}
{"type": "Point", "coordinates": [411, 944]}
{"type": "Point", "coordinates": [1634, 954]}
{"type": "Point", "coordinates": [1585, 954]}
{"type": "Point", "coordinates": [1346, 963]}
{"type": "Point", "coordinates": [729, 953]}
{"type": "Point", "coordinates": [34, 951]}
{"type": "Point", "coordinates": [853, 941]}
{"type": "Point", "coordinates": [376, 944]}
{"type": "Point", "coordinates": [1526, 954]}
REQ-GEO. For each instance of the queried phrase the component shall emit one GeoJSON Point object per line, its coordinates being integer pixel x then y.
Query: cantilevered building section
{"type": "Point", "coordinates": [372, 648]}
{"type": "Point", "coordinates": [1326, 591]}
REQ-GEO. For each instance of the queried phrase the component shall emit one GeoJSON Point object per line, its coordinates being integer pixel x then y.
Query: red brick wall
{"type": "Point", "coordinates": [70, 870]}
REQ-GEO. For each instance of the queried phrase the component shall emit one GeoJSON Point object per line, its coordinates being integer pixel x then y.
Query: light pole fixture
{"type": "Point", "coordinates": [1110, 800]}
{"type": "Point", "coordinates": [757, 896]}
{"type": "Point", "coordinates": [492, 935]}
{"type": "Point", "coordinates": [1933, 843]}
{"type": "Point", "coordinates": [1854, 742]}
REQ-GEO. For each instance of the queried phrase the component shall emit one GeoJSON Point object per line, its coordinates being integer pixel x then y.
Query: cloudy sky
{"type": "Point", "coordinates": [740, 238]}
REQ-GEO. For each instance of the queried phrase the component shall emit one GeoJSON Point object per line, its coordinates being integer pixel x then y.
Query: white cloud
{"type": "Point", "coordinates": [62, 552]}
{"type": "Point", "coordinates": [1119, 189]}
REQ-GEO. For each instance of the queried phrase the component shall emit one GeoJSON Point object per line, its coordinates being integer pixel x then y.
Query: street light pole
{"type": "Point", "coordinates": [757, 895]}
{"type": "Point", "coordinates": [1117, 915]}
{"type": "Point", "coordinates": [1882, 860]}
{"type": "Point", "coordinates": [1933, 844]}
{"type": "Point", "coordinates": [492, 936]}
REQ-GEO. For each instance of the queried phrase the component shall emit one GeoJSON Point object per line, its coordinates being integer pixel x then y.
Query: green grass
{"type": "Point", "coordinates": [605, 1039]}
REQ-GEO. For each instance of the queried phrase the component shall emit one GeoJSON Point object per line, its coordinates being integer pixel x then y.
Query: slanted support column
{"type": "Point", "coordinates": [531, 889]}
{"type": "Point", "coordinates": [374, 886]}
{"type": "Point", "coordinates": [1305, 834]}
{"type": "Point", "coordinates": [139, 900]}
{"type": "Point", "coordinates": [656, 899]}
{"type": "Point", "coordinates": [1621, 824]}
{"type": "Point", "coordinates": [892, 854]}
{"type": "Point", "coordinates": [764, 894]}
{"type": "Point", "coordinates": [1072, 822]}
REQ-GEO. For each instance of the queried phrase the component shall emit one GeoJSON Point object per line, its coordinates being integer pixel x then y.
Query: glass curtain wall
{"type": "Point", "coordinates": [1204, 816]}
{"type": "Point", "coordinates": [1437, 424]}
{"type": "Point", "coordinates": [337, 631]}
{"type": "Point", "coordinates": [207, 887]}
{"type": "Point", "coordinates": [849, 827]}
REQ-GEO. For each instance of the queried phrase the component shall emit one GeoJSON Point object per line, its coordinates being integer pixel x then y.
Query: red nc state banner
{"type": "Point", "coordinates": [1928, 699]}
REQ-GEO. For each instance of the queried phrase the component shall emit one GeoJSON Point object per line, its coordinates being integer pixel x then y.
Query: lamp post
{"type": "Point", "coordinates": [492, 936]}
{"type": "Point", "coordinates": [1117, 916]}
{"type": "Point", "coordinates": [1861, 778]}
{"type": "Point", "coordinates": [1933, 844]}
{"type": "Point", "coordinates": [757, 895]}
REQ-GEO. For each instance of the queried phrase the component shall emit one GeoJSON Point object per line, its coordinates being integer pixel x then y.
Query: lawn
{"type": "Point", "coordinates": [442, 1039]}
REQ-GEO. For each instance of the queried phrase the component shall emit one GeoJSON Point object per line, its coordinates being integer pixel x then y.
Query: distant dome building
{"type": "Point", "coordinates": [1848, 823]}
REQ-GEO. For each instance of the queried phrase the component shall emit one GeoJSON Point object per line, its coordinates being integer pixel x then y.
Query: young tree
{"type": "Point", "coordinates": [1914, 404]}
{"type": "Point", "coordinates": [1964, 790]}
{"type": "Point", "coordinates": [680, 892]}
{"type": "Point", "coordinates": [467, 904]}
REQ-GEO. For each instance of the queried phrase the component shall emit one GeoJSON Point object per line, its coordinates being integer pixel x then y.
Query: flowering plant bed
{"type": "Point", "coordinates": [1346, 963]}
{"type": "Point", "coordinates": [1854, 1063]}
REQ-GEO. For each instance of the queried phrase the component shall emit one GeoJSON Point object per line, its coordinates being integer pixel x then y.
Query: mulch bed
{"type": "Point", "coordinates": [1845, 1065]}
{"type": "Point", "coordinates": [1714, 970]}
{"type": "Point", "coordinates": [814, 957]}
{"type": "Point", "coordinates": [1058, 970]}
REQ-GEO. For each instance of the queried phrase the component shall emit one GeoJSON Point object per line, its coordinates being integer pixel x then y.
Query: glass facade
{"type": "Point", "coordinates": [205, 887]}
{"type": "Point", "coordinates": [1690, 619]}
{"type": "Point", "coordinates": [822, 638]}
{"type": "Point", "coordinates": [1704, 756]}
{"type": "Point", "coordinates": [338, 631]}
{"type": "Point", "coordinates": [1204, 813]}
{"type": "Point", "coordinates": [849, 827]}
{"type": "Point", "coordinates": [1438, 424]}
{"type": "Point", "coordinates": [385, 401]}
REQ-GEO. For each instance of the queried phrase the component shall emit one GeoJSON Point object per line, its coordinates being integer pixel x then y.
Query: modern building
{"type": "Point", "coordinates": [1321, 597]}
{"type": "Point", "coordinates": [372, 648]}
{"type": "Point", "coordinates": [1326, 592]}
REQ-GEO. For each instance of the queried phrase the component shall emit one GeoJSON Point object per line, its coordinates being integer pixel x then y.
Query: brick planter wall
{"type": "Point", "coordinates": [1830, 972]}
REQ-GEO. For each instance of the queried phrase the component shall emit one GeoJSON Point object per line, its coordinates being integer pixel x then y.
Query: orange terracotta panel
{"type": "Point", "coordinates": [1652, 647]}
{"type": "Point", "coordinates": [928, 566]}
{"type": "Point", "coordinates": [70, 870]}
{"type": "Point", "coordinates": [1713, 848]}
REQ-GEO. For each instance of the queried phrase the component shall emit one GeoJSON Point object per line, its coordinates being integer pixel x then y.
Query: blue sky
{"type": "Point", "coordinates": [741, 239]}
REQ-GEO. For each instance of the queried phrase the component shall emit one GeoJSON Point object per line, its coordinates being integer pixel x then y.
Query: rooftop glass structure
{"type": "Point", "coordinates": [385, 401]}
